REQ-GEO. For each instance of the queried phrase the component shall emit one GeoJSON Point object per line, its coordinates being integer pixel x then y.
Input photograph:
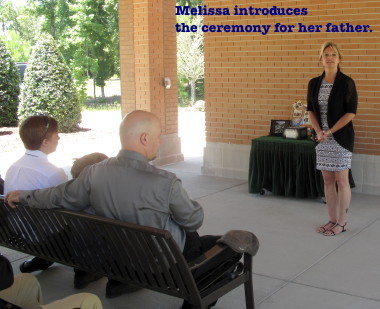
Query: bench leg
{"type": "Point", "coordinates": [197, 305]}
{"type": "Point", "coordinates": [248, 286]}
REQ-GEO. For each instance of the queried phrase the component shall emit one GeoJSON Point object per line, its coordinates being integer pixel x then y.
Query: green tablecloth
{"type": "Point", "coordinates": [285, 167]}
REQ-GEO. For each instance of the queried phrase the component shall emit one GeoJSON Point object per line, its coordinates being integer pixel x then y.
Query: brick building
{"type": "Point", "coordinates": [255, 76]}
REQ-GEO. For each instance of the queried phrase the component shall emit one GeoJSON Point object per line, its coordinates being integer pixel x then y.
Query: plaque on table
{"type": "Point", "coordinates": [295, 132]}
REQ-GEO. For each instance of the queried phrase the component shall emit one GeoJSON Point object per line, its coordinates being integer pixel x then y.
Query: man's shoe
{"type": "Point", "coordinates": [82, 279]}
{"type": "Point", "coordinates": [34, 264]}
{"type": "Point", "coordinates": [115, 288]}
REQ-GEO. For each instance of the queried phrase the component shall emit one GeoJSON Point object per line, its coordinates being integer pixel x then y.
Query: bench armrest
{"type": "Point", "coordinates": [206, 256]}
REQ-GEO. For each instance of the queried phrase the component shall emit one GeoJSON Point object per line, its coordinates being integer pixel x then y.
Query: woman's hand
{"type": "Point", "coordinates": [323, 135]}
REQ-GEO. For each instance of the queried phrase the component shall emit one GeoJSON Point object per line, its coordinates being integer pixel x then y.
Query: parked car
{"type": "Point", "coordinates": [21, 66]}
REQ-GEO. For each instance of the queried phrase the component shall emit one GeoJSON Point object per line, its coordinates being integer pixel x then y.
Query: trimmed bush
{"type": "Point", "coordinates": [48, 87]}
{"type": "Point", "coordinates": [9, 89]}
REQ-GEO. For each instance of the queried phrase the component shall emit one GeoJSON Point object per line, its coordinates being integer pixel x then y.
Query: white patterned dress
{"type": "Point", "coordinates": [330, 155]}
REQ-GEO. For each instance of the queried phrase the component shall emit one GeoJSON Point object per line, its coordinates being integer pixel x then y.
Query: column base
{"type": "Point", "coordinates": [170, 150]}
{"type": "Point", "coordinates": [366, 173]}
{"type": "Point", "coordinates": [226, 160]}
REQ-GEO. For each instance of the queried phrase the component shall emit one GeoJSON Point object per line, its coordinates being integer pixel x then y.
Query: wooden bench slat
{"type": "Point", "coordinates": [163, 275]}
{"type": "Point", "coordinates": [128, 270]}
{"type": "Point", "coordinates": [49, 224]}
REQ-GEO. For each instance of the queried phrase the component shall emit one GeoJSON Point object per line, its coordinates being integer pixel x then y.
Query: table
{"type": "Point", "coordinates": [285, 167]}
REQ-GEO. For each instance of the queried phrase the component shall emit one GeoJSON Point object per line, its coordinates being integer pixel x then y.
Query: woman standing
{"type": "Point", "coordinates": [332, 102]}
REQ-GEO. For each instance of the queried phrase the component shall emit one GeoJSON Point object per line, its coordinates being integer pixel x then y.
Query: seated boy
{"type": "Point", "coordinates": [33, 170]}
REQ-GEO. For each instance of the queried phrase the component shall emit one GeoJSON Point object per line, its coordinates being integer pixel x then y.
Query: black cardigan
{"type": "Point", "coordinates": [343, 99]}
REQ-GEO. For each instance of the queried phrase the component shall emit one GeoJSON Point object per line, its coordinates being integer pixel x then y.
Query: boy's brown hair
{"type": "Point", "coordinates": [34, 129]}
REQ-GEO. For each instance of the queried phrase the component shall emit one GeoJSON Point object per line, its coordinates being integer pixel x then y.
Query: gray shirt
{"type": "Point", "coordinates": [126, 188]}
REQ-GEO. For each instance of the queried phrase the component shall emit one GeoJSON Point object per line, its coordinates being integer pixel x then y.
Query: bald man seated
{"type": "Point", "coordinates": [128, 188]}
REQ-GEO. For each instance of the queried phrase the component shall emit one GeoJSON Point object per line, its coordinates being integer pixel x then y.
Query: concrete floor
{"type": "Point", "coordinates": [295, 268]}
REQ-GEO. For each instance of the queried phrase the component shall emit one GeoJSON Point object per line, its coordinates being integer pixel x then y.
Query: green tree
{"type": "Point", "coordinates": [19, 48]}
{"type": "Point", "coordinates": [86, 32]}
{"type": "Point", "coordinates": [20, 29]}
{"type": "Point", "coordinates": [9, 88]}
{"type": "Point", "coordinates": [3, 19]}
{"type": "Point", "coordinates": [190, 55]}
{"type": "Point", "coordinates": [94, 41]}
{"type": "Point", "coordinates": [21, 20]}
{"type": "Point", "coordinates": [48, 87]}
{"type": "Point", "coordinates": [56, 15]}
{"type": "Point", "coordinates": [192, 3]}
{"type": "Point", "coordinates": [107, 52]}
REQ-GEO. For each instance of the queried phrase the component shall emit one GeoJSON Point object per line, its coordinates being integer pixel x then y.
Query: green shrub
{"type": "Point", "coordinates": [48, 87]}
{"type": "Point", "coordinates": [9, 89]}
{"type": "Point", "coordinates": [183, 92]}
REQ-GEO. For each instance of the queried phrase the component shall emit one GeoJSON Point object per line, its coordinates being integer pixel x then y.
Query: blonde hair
{"type": "Point", "coordinates": [81, 163]}
{"type": "Point", "coordinates": [334, 46]}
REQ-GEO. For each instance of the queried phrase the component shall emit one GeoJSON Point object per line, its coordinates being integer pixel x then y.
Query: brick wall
{"type": "Point", "coordinates": [147, 55]}
{"type": "Point", "coordinates": [127, 56]}
{"type": "Point", "coordinates": [252, 78]}
{"type": "Point", "coordinates": [170, 67]}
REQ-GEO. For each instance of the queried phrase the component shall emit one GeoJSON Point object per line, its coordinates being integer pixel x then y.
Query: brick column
{"type": "Point", "coordinates": [147, 55]}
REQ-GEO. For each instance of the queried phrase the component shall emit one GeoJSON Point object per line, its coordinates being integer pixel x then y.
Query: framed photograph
{"type": "Point", "coordinates": [299, 114]}
{"type": "Point", "coordinates": [306, 118]}
{"type": "Point", "coordinates": [297, 121]}
{"type": "Point", "coordinates": [297, 105]}
{"type": "Point", "coordinates": [277, 127]}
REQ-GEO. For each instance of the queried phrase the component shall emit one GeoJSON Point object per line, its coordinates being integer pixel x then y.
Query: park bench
{"type": "Point", "coordinates": [143, 256]}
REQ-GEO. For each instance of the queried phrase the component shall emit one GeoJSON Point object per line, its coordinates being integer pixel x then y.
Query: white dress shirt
{"type": "Point", "coordinates": [33, 171]}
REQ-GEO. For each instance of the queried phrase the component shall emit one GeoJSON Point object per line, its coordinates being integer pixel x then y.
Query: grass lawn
{"type": "Point", "coordinates": [112, 88]}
